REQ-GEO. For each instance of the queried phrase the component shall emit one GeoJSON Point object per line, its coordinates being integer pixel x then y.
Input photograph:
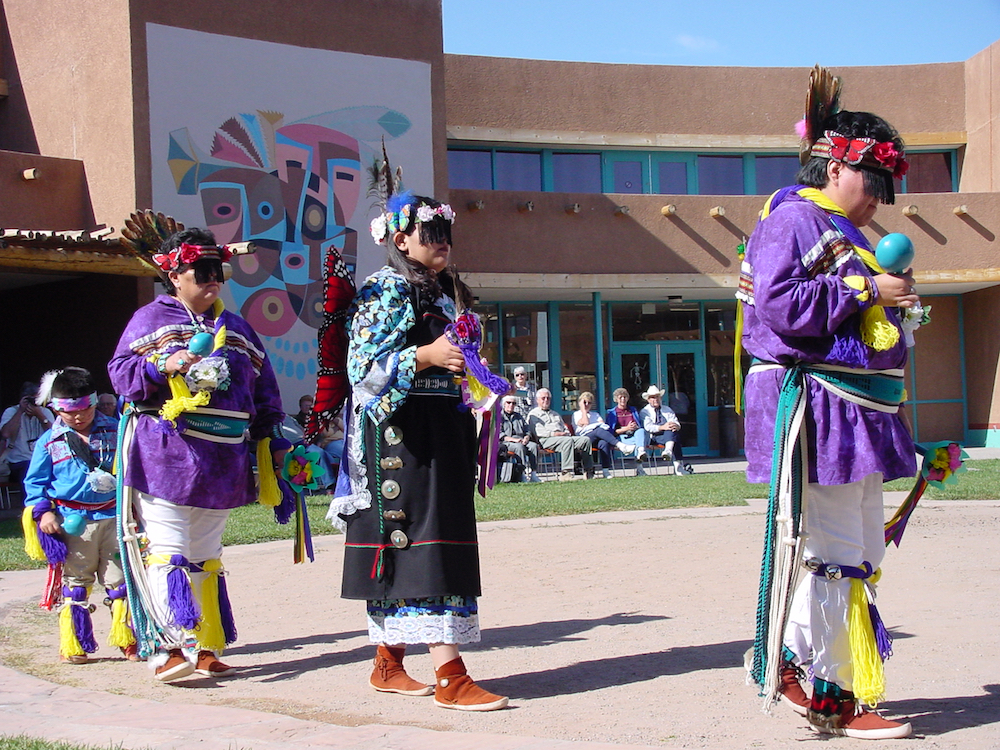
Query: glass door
{"type": "Point", "coordinates": [678, 367]}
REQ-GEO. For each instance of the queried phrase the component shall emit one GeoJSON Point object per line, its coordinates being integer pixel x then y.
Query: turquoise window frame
{"type": "Point", "coordinates": [650, 161]}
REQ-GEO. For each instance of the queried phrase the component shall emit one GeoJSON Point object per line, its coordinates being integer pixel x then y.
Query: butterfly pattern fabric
{"type": "Point", "coordinates": [332, 385]}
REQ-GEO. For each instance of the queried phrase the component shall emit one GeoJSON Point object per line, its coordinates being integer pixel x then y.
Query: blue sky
{"type": "Point", "coordinates": [724, 32]}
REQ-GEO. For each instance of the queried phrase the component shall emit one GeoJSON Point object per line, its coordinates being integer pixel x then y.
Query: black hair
{"type": "Point", "coordinates": [29, 389]}
{"type": "Point", "coordinates": [878, 182]}
{"type": "Point", "coordinates": [203, 269]}
{"type": "Point", "coordinates": [428, 283]}
{"type": "Point", "coordinates": [73, 382]}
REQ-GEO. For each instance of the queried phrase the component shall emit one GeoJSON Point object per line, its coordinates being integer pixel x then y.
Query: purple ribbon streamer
{"type": "Point", "coordinates": [226, 611]}
{"type": "Point", "coordinates": [882, 638]}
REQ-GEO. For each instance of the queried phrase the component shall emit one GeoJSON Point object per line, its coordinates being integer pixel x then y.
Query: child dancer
{"type": "Point", "coordinates": [70, 496]}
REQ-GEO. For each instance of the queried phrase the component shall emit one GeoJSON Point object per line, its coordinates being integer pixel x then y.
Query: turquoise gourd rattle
{"type": "Point", "coordinates": [201, 344]}
{"type": "Point", "coordinates": [894, 252]}
{"type": "Point", "coordinates": [74, 523]}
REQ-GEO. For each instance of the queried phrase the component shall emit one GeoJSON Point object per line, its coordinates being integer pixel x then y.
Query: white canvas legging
{"type": "Point", "coordinates": [843, 525]}
{"type": "Point", "coordinates": [195, 533]}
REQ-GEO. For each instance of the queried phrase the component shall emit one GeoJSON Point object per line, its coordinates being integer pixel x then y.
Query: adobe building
{"type": "Point", "coordinates": [600, 207]}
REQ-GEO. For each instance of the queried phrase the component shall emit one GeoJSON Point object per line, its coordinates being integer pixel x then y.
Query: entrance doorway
{"type": "Point", "coordinates": [678, 367]}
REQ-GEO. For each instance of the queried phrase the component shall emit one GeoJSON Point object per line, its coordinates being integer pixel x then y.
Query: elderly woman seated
{"type": "Point", "coordinates": [589, 423]}
{"type": "Point", "coordinates": [624, 421]}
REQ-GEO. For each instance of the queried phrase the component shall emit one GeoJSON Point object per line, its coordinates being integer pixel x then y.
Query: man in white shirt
{"type": "Point", "coordinates": [663, 427]}
{"type": "Point", "coordinates": [21, 426]}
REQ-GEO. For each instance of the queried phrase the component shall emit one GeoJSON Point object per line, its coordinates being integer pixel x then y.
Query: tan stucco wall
{"type": "Point", "coordinates": [981, 169]}
{"type": "Point", "coordinates": [982, 346]}
{"type": "Point", "coordinates": [74, 70]}
{"type": "Point", "coordinates": [57, 199]}
{"type": "Point", "coordinates": [500, 239]}
{"type": "Point", "coordinates": [511, 94]}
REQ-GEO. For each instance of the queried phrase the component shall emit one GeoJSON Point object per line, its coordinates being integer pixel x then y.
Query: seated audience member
{"type": "Point", "coordinates": [624, 422]}
{"type": "Point", "coordinates": [548, 426]}
{"type": "Point", "coordinates": [663, 427]}
{"type": "Point", "coordinates": [589, 423]}
{"type": "Point", "coordinates": [107, 404]}
{"type": "Point", "coordinates": [305, 406]}
{"type": "Point", "coordinates": [515, 437]}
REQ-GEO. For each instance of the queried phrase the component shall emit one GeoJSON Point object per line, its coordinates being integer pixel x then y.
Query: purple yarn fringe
{"type": "Point", "coordinates": [226, 612]}
{"type": "Point", "coordinates": [83, 626]}
{"type": "Point", "coordinates": [118, 592]}
{"type": "Point", "coordinates": [848, 351]}
{"type": "Point", "coordinates": [882, 638]}
{"type": "Point", "coordinates": [53, 547]}
{"type": "Point", "coordinates": [283, 511]}
{"type": "Point", "coordinates": [180, 598]}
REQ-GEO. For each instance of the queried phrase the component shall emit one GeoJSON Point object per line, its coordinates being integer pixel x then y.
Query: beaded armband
{"type": "Point", "coordinates": [161, 363]}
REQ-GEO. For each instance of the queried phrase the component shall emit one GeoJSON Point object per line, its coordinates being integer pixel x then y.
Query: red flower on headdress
{"type": "Point", "coordinates": [886, 154]}
{"type": "Point", "coordinates": [188, 253]}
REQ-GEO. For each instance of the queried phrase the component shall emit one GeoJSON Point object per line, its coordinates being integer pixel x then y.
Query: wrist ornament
{"type": "Point", "coordinates": [161, 362]}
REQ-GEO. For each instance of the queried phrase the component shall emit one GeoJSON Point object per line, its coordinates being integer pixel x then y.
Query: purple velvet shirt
{"type": "Point", "coordinates": [182, 469]}
{"type": "Point", "coordinates": [801, 306]}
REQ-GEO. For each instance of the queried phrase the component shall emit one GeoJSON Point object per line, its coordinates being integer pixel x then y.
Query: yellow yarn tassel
{"type": "Point", "coordinates": [121, 634]}
{"type": "Point", "coordinates": [477, 390]}
{"type": "Point", "coordinates": [268, 492]}
{"type": "Point", "coordinates": [876, 330]}
{"type": "Point", "coordinates": [869, 677]}
{"type": "Point", "coordinates": [32, 547]}
{"type": "Point", "coordinates": [181, 399]}
{"type": "Point", "coordinates": [68, 643]}
{"type": "Point", "coordinates": [210, 634]}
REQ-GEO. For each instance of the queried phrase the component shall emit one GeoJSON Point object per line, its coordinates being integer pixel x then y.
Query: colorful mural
{"type": "Point", "coordinates": [291, 189]}
{"type": "Point", "coordinates": [237, 147]}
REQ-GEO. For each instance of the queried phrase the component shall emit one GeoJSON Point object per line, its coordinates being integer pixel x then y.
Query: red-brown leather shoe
{"type": "Point", "coordinates": [862, 726]}
{"type": "Point", "coordinates": [175, 667]}
{"type": "Point", "coordinates": [390, 677]}
{"type": "Point", "coordinates": [790, 690]}
{"type": "Point", "coordinates": [455, 689]}
{"type": "Point", "coordinates": [210, 666]}
{"type": "Point", "coordinates": [131, 652]}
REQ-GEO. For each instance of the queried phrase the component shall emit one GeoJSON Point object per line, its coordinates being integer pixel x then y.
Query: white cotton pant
{"type": "Point", "coordinates": [843, 525]}
{"type": "Point", "coordinates": [195, 533]}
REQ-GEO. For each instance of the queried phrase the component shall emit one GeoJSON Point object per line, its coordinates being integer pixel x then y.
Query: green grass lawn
{"type": "Point", "coordinates": [255, 523]}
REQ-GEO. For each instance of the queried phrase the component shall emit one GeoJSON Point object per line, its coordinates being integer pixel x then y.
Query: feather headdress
{"type": "Point", "coordinates": [44, 395]}
{"type": "Point", "coordinates": [822, 100]}
{"type": "Point", "coordinates": [144, 234]}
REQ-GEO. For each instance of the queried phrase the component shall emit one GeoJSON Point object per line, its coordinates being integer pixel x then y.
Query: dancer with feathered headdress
{"type": "Point", "coordinates": [822, 416]}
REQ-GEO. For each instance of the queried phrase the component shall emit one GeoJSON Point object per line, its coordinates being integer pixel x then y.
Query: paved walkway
{"type": "Point", "coordinates": [607, 630]}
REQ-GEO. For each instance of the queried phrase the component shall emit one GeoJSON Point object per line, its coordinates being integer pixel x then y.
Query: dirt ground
{"type": "Point", "coordinates": [626, 628]}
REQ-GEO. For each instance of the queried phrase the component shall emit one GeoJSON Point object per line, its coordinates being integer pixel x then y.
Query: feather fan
{"type": "Point", "coordinates": [144, 233]}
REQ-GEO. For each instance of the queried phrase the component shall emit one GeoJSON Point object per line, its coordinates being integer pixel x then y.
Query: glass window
{"type": "Point", "coordinates": [628, 176]}
{"type": "Point", "coordinates": [720, 175]}
{"type": "Point", "coordinates": [518, 170]}
{"type": "Point", "coordinates": [720, 338]}
{"type": "Point", "coordinates": [526, 340]}
{"type": "Point", "coordinates": [673, 177]}
{"type": "Point", "coordinates": [775, 172]}
{"type": "Point", "coordinates": [655, 321]}
{"type": "Point", "coordinates": [576, 346]}
{"type": "Point", "coordinates": [491, 333]}
{"type": "Point", "coordinates": [929, 173]}
{"type": "Point", "coordinates": [576, 173]}
{"type": "Point", "coordinates": [470, 170]}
